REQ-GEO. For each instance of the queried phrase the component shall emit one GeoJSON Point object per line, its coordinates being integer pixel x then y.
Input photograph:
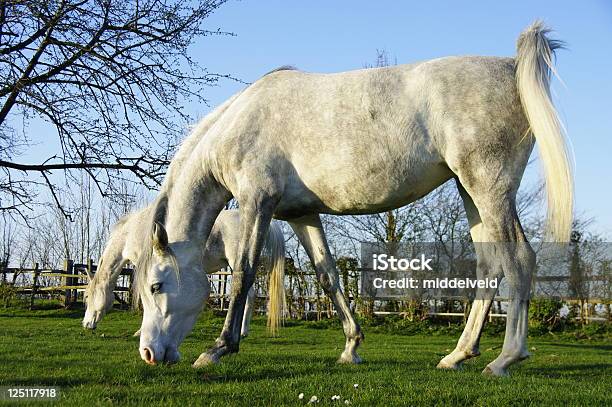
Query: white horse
{"type": "Point", "coordinates": [220, 251]}
{"type": "Point", "coordinates": [294, 145]}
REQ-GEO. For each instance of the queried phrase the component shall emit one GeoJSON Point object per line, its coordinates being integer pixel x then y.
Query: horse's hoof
{"type": "Point", "coordinates": [445, 364]}
{"type": "Point", "coordinates": [491, 370]}
{"type": "Point", "coordinates": [204, 360]}
{"type": "Point", "coordinates": [351, 359]}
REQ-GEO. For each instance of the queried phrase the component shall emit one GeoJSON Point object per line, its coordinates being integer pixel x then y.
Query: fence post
{"type": "Point", "coordinates": [67, 281]}
{"type": "Point", "coordinates": [223, 289]}
{"type": "Point", "coordinates": [34, 285]}
{"type": "Point", "coordinates": [74, 281]}
{"type": "Point", "coordinates": [130, 298]}
{"type": "Point", "coordinates": [89, 267]}
{"type": "Point", "coordinates": [89, 272]}
{"type": "Point", "coordinates": [318, 292]}
{"type": "Point", "coordinates": [290, 297]}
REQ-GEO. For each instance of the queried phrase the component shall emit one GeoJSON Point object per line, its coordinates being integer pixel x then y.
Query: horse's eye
{"type": "Point", "coordinates": [155, 288]}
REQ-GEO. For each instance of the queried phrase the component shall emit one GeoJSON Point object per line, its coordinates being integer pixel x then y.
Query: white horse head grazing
{"type": "Point", "coordinates": [98, 297]}
{"type": "Point", "coordinates": [164, 289]}
{"type": "Point", "coordinates": [162, 328]}
{"type": "Point", "coordinates": [120, 249]}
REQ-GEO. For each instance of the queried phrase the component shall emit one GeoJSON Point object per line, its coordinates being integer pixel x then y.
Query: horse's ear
{"type": "Point", "coordinates": [160, 209]}
{"type": "Point", "coordinates": [160, 238]}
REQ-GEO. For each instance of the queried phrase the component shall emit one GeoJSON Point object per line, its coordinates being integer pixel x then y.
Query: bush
{"type": "Point", "coordinates": [8, 292]}
{"type": "Point", "coordinates": [545, 314]}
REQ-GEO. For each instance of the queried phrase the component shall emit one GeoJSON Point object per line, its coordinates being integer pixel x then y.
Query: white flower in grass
{"type": "Point", "coordinates": [355, 385]}
{"type": "Point", "coordinates": [301, 396]}
{"type": "Point", "coordinates": [314, 399]}
{"type": "Point", "coordinates": [347, 402]}
{"type": "Point", "coordinates": [335, 397]}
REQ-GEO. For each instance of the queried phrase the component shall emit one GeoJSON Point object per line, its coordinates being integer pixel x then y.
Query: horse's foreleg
{"type": "Point", "coordinates": [310, 232]}
{"type": "Point", "coordinates": [255, 217]}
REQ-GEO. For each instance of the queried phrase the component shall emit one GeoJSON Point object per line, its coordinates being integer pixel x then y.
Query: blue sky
{"type": "Point", "coordinates": [326, 36]}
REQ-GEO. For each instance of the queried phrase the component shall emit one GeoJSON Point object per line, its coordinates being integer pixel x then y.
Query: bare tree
{"type": "Point", "coordinates": [109, 77]}
{"type": "Point", "coordinates": [6, 243]}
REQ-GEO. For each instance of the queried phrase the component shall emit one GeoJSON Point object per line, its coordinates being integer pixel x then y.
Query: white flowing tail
{"type": "Point", "coordinates": [534, 64]}
{"type": "Point", "coordinates": [275, 245]}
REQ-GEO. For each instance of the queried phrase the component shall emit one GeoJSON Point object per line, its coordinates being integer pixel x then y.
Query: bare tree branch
{"type": "Point", "coordinates": [111, 77]}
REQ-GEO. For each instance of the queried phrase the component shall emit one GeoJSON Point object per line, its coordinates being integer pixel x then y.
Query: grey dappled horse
{"type": "Point", "coordinates": [295, 144]}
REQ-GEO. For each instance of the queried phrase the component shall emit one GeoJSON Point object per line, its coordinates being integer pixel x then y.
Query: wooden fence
{"type": "Point", "coordinates": [66, 282]}
{"type": "Point", "coordinates": [69, 282]}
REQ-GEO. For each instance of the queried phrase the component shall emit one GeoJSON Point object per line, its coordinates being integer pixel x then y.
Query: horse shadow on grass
{"type": "Point", "coordinates": [580, 346]}
{"type": "Point", "coordinates": [73, 314]}
{"type": "Point", "coordinates": [50, 381]}
{"type": "Point", "coordinates": [577, 371]}
{"type": "Point", "coordinates": [233, 369]}
{"type": "Point", "coordinates": [281, 341]}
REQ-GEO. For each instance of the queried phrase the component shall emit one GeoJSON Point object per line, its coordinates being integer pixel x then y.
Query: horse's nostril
{"type": "Point", "coordinates": [148, 356]}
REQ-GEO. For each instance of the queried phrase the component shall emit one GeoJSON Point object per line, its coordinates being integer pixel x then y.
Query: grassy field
{"type": "Point", "coordinates": [48, 347]}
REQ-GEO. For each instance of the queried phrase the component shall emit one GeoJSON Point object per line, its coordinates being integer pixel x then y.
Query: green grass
{"type": "Point", "coordinates": [48, 347]}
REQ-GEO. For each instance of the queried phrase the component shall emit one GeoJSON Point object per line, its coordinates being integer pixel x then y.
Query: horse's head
{"type": "Point", "coordinates": [172, 287]}
{"type": "Point", "coordinates": [98, 298]}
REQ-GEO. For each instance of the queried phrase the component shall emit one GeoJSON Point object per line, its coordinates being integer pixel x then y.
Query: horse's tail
{"type": "Point", "coordinates": [275, 245]}
{"type": "Point", "coordinates": [534, 64]}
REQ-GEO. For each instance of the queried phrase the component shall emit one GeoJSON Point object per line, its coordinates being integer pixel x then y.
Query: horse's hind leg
{"type": "Point", "coordinates": [310, 233]}
{"type": "Point", "coordinates": [504, 250]}
{"type": "Point", "coordinates": [468, 344]}
{"type": "Point", "coordinates": [518, 261]}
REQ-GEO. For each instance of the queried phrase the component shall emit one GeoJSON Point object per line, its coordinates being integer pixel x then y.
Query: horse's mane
{"type": "Point", "coordinates": [122, 221]}
{"type": "Point", "coordinates": [281, 68]}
